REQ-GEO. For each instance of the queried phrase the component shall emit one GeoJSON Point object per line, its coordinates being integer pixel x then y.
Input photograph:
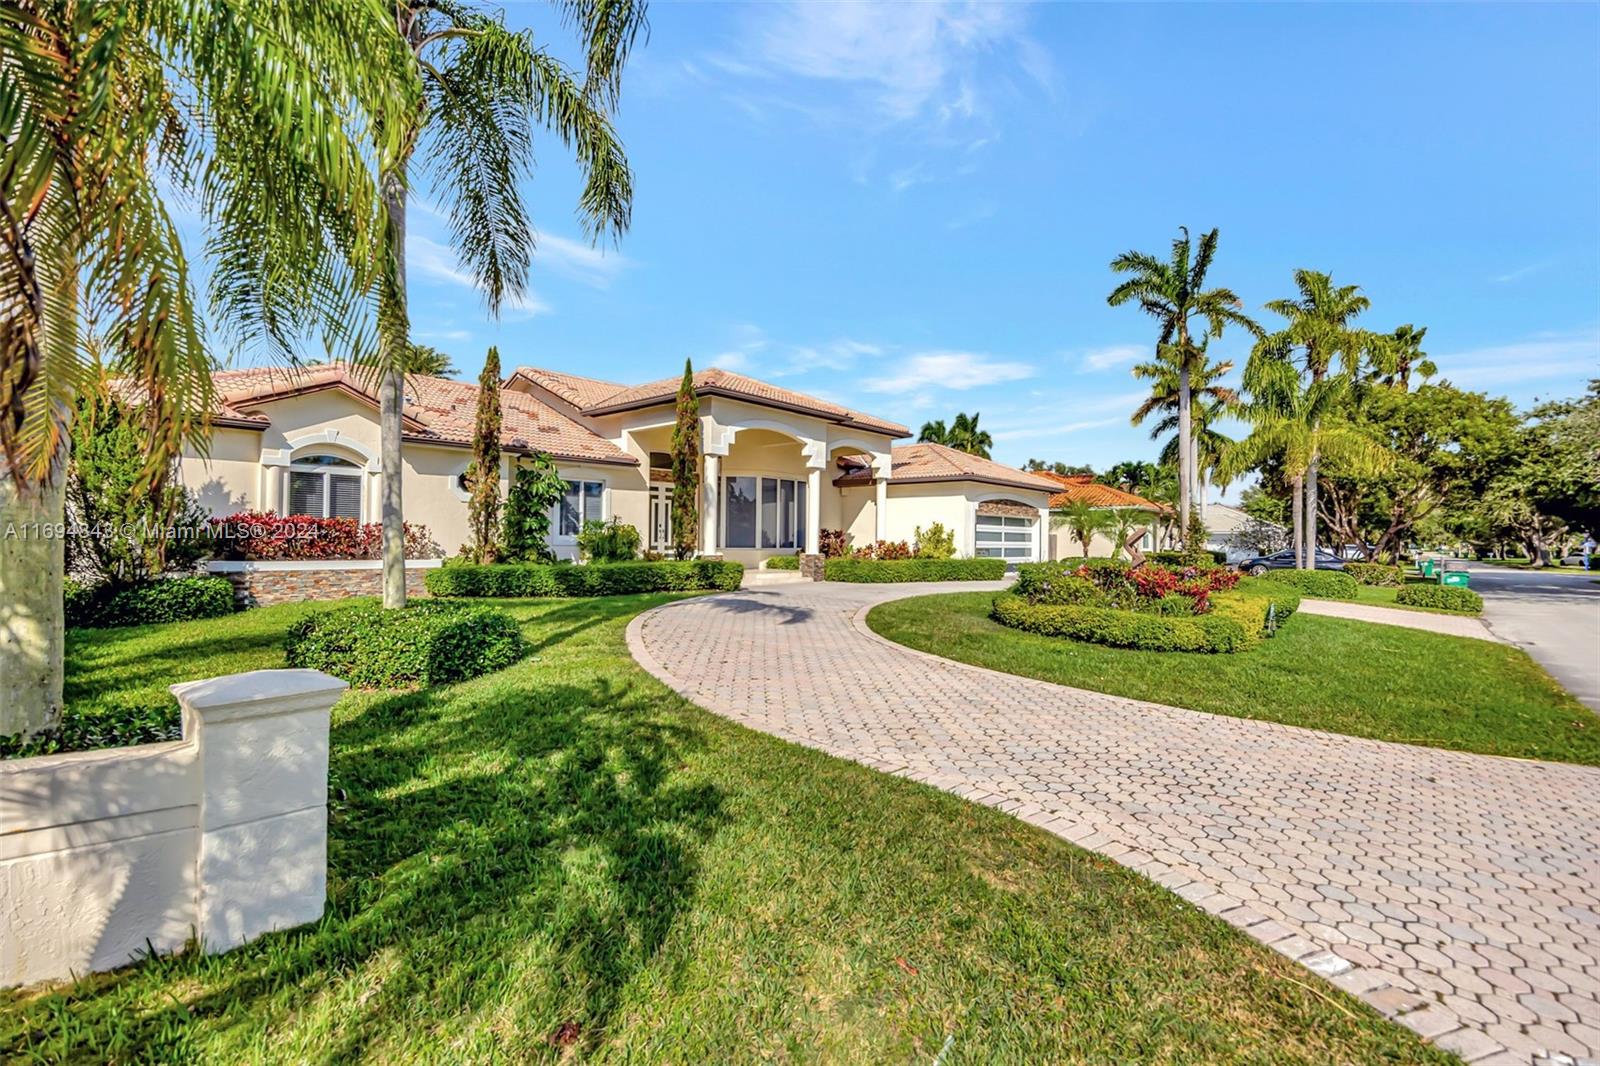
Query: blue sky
{"type": "Point", "coordinates": [910, 208]}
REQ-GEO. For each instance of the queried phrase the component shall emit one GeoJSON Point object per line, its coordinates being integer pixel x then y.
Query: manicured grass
{"type": "Point", "coordinates": [565, 860]}
{"type": "Point", "coordinates": [1324, 673]}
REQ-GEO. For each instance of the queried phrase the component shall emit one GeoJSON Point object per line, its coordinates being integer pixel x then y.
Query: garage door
{"type": "Point", "coordinates": [1005, 537]}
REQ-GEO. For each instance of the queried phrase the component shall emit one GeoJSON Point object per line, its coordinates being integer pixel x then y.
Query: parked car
{"type": "Point", "coordinates": [1284, 560]}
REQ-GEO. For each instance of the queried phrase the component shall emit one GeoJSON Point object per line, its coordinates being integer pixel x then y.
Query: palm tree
{"type": "Point", "coordinates": [1120, 525]}
{"type": "Point", "coordinates": [1208, 444]}
{"type": "Point", "coordinates": [430, 362]}
{"type": "Point", "coordinates": [1083, 520]}
{"type": "Point", "coordinates": [102, 105]}
{"type": "Point", "coordinates": [481, 90]}
{"type": "Point", "coordinates": [962, 434]}
{"type": "Point", "coordinates": [1174, 294]}
{"type": "Point", "coordinates": [1399, 354]}
{"type": "Point", "coordinates": [1319, 332]}
{"type": "Point", "coordinates": [1209, 400]}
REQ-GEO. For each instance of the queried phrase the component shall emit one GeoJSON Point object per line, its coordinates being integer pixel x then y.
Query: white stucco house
{"type": "Point", "coordinates": [779, 465]}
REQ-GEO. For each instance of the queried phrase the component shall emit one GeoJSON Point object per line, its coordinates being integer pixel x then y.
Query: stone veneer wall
{"type": "Point", "coordinates": [264, 583]}
{"type": "Point", "coordinates": [811, 566]}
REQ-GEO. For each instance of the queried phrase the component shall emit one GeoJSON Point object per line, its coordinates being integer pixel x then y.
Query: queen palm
{"type": "Point", "coordinates": [482, 88]}
{"type": "Point", "coordinates": [104, 106]}
{"type": "Point", "coordinates": [1208, 445]}
{"type": "Point", "coordinates": [1174, 293]}
{"type": "Point", "coordinates": [1209, 401]}
{"type": "Point", "coordinates": [1318, 335]}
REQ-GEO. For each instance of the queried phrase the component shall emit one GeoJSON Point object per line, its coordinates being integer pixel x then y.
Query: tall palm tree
{"type": "Point", "coordinates": [1174, 293]}
{"type": "Point", "coordinates": [1208, 444]}
{"type": "Point", "coordinates": [934, 432]}
{"type": "Point", "coordinates": [1400, 354]}
{"type": "Point", "coordinates": [101, 105]}
{"type": "Point", "coordinates": [1319, 333]}
{"type": "Point", "coordinates": [482, 89]}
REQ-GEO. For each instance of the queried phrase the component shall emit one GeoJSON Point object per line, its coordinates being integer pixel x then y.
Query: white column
{"type": "Point", "coordinates": [710, 529]}
{"type": "Point", "coordinates": [813, 510]}
{"type": "Point", "coordinates": [880, 525]}
{"type": "Point", "coordinates": [261, 767]}
{"type": "Point", "coordinates": [1041, 539]}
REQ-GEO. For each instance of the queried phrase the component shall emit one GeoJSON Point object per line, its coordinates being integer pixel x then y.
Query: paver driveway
{"type": "Point", "coordinates": [1458, 892]}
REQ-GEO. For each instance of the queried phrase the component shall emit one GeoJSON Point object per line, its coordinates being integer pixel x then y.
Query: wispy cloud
{"type": "Point", "coordinates": [1048, 430]}
{"type": "Point", "coordinates": [1541, 357]}
{"type": "Point", "coordinates": [1518, 274]}
{"type": "Point", "coordinates": [1112, 355]}
{"type": "Point", "coordinates": [432, 259]}
{"type": "Point", "coordinates": [980, 213]}
{"type": "Point", "coordinates": [579, 261]}
{"type": "Point", "coordinates": [729, 360]}
{"type": "Point", "coordinates": [948, 370]}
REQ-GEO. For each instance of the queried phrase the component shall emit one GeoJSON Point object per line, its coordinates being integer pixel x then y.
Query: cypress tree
{"type": "Point", "coordinates": [485, 482]}
{"type": "Point", "coordinates": [686, 468]}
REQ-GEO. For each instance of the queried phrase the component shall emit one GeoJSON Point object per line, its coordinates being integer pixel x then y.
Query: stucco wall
{"type": "Point", "coordinates": [222, 835]}
{"type": "Point", "coordinates": [953, 503]}
{"type": "Point", "coordinates": [228, 478]}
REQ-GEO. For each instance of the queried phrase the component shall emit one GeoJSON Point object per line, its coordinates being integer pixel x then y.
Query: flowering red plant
{"type": "Point", "coordinates": [263, 535]}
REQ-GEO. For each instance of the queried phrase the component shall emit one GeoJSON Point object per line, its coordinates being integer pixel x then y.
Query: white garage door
{"type": "Point", "coordinates": [1005, 537]}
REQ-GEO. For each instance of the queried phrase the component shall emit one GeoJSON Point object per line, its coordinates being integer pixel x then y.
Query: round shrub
{"type": "Point", "coordinates": [429, 642]}
{"type": "Point", "coordinates": [1443, 597]}
{"type": "Point", "coordinates": [169, 599]}
{"type": "Point", "coordinates": [782, 562]}
{"type": "Point", "coordinates": [1383, 574]}
{"type": "Point", "coordinates": [1318, 584]}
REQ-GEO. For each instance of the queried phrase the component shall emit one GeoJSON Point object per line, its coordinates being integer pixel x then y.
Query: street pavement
{"type": "Point", "coordinates": [1554, 614]}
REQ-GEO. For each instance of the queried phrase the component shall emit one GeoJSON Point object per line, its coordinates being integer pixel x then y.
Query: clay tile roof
{"type": "Point", "coordinates": [437, 409]}
{"type": "Point", "coordinates": [936, 462]}
{"type": "Point", "coordinates": [1076, 488]}
{"type": "Point", "coordinates": [580, 392]}
{"type": "Point", "coordinates": [727, 383]}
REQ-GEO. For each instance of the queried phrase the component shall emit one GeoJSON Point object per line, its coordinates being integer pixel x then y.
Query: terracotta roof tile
{"type": "Point", "coordinates": [937, 462]}
{"type": "Point", "coordinates": [726, 382]}
{"type": "Point", "coordinates": [1076, 488]}
{"type": "Point", "coordinates": [580, 392]}
{"type": "Point", "coordinates": [437, 409]}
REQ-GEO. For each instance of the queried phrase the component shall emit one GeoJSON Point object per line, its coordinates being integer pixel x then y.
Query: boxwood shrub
{"type": "Point", "coordinates": [1445, 597]}
{"type": "Point", "coordinates": [1383, 574]}
{"type": "Point", "coordinates": [1318, 584]}
{"type": "Point", "coordinates": [170, 599]}
{"type": "Point", "coordinates": [782, 562]}
{"type": "Point", "coordinates": [596, 579]}
{"type": "Point", "coordinates": [429, 642]}
{"type": "Point", "coordinates": [895, 570]}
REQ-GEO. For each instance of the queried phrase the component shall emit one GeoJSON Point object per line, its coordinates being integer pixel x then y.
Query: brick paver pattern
{"type": "Point", "coordinates": [1459, 893]}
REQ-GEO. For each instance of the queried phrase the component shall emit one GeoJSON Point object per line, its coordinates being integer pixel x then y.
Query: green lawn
{"type": "Point", "coordinates": [1325, 673]}
{"type": "Point", "coordinates": [565, 860]}
{"type": "Point", "coordinates": [1382, 596]}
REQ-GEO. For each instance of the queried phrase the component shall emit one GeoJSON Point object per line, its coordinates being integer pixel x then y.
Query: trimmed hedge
{"type": "Point", "coordinates": [1445, 597]}
{"type": "Point", "coordinates": [1237, 619]}
{"type": "Point", "coordinates": [596, 579]}
{"type": "Point", "coordinates": [1122, 629]}
{"type": "Point", "coordinates": [430, 642]}
{"type": "Point", "coordinates": [782, 562]}
{"type": "Point", "coordinates": [896, 570]}
{"type": "Point", "coordinates": [1383, 574]}
{"type": "Point", "coordinates": [169, 599]}
{"type": "Point", "coordinates": [1319, 584]}
{"type": "Point", "coordinates": [1181, 559]}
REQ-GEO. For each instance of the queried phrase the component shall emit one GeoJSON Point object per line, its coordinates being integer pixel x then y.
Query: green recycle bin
{"type": "Point", "coordinates": [1430, 567]}
{"type": "Point", "coordinates": [1458, 578]}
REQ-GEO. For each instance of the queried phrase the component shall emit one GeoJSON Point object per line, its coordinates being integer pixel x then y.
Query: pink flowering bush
{"type": "Point", "coordinates": [262, 535]}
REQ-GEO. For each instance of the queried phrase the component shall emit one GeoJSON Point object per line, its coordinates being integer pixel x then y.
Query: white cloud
{"type": "Point", "coordinates": [1517, 274]}
{"type": "Point", "coordinates": [432, 259]}
{"type": "Point", "coordinates": [579, 261]}
{"type": "Point", "coordinates": [1112, 355]}
{"type": "Point", "coordinates": [729, 361]}
{"type": "Point", "coordinates": [1538, 358]}
{"type": "Point", "coordinates": [1047, 430]}
{"type": "Point", "coordinates": [949, 370]}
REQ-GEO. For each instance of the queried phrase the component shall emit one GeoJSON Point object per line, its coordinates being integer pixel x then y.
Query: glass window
{"type": "Point", "coordinates": [739, 507]}
{"type": "Point", "coordinates": [1004, 537]}
{"type": "Point", "coordinates": [571, 507]}
{"type": "Point", "coordinates": [344, 496]}
{"type": "Point", "coordinates": [769, 512]}
{"type": "Point", "coordinates": [799, 514]}
{"type": "Point", "coordinates": [593, 501]}
{"type": "Point", "coordinates": [786, 514]}
{"type": "Point", "coordinates": [305, 493]}
{"type": "Point", "coordinates": [584, 501]}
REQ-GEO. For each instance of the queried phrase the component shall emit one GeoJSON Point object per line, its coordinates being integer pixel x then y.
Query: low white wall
{"type": "Point", "coordinates": [221, 836]}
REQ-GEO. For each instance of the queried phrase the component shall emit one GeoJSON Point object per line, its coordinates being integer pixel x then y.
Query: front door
{"type": "Point", "coordinates": [660, 518]}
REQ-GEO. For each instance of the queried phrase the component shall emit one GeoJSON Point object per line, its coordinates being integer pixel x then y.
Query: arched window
{"type": "Point", "coordinates": [325, 486]}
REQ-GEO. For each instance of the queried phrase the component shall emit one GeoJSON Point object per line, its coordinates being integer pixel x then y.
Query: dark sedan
{"type": "Point", "coordinates": [1284, 560]}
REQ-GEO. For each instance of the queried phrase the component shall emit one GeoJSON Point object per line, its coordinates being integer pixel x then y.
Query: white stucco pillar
{"type": "Point", "coordinates": [880, 508]}
{"type": "Point", "coordinates": [710, 492]}
{"type": "Point", "coordinates": [813, 510]}
{"type": "Point", "coordinates": [1041, 540]}
{"type": "Point", "coordinates": [274, 464]}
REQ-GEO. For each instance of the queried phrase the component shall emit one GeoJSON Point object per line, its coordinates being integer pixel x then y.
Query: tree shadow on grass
{"type": "Point", "coordinates": [523, 841]}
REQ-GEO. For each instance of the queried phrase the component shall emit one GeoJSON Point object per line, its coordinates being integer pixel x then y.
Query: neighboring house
{"type": "Point", "coordinates": [306, 441]}
{"type": "Point", "coordinates": [1082, 488]}
{"type": "Point", "coordinates": [1225, 527]}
